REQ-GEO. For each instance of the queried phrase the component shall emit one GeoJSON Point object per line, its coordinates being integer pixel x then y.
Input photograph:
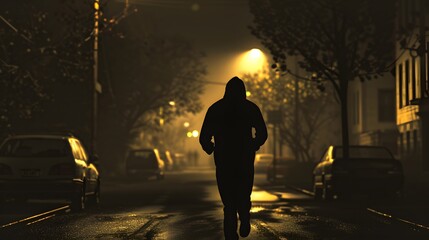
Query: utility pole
{"type": "Point", "coordinates": [96, 86]}
{"type": "Point", "coordinates": [296, 112]}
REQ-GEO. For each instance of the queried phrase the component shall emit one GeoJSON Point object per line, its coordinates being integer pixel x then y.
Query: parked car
{"type": "Point", "coordinates": [48, 166]}
{"type": "Point", "coordinates": [282, 167]}
{"type": "Point", "coordinates": [179, 160]}
{"type": "Point", "coordinates": [368, 169]}
{"type": "Point", "coordinates": [262, 161]}
{"type": "Point", "coordinates": [145, 163]}
{"type": "Point", "coordinates": [168, 160]}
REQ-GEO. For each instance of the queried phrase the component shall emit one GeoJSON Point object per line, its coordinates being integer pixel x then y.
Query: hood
{"type": "Point", "coordinates": [235, 90]}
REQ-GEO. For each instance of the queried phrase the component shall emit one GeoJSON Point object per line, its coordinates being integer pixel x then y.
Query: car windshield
{"type": "Point", "coordinates": [35, 147]}
{"type": "Point", "coordinates": [162, 155]}
{"type": "Point", "coordinates": [142, 159]}
{"type": "Point", "coordinates": [364, 152]}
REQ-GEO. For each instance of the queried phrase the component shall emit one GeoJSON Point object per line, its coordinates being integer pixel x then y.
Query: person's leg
{"type": "Point", "coordinates": [244, 201]}
{"type": "Point", "coordinates": [226, 185]}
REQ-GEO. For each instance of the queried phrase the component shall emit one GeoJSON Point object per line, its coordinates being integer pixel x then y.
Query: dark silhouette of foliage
{"type": "Point", "coordinates": [143, 74]}
{"type": "Point", "coordinates": [45, 64]}
{"type": "Point", "coordinates": [339, 41]}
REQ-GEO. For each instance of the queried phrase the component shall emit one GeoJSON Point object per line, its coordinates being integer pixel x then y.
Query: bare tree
{"type": "Point", "coordinates": [305, 110]}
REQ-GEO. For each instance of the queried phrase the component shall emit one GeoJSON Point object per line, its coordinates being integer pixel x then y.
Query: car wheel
{"type": "Point", "coordinates": [78, 200]}
{"type": "Point", "coordinates": [160, 176]}
{"type": "Point", "coordinates": [318, 193]}
{"type": "Point", "coordinates": [94, 199]}
{"type": "Point", "coordinates": [327, 192]}
{"type": "Point", "coordinates": [2, 202]}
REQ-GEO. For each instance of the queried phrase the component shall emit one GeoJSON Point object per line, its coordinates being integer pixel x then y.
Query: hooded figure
{"type": "Point", "coordinates": [230, 122]}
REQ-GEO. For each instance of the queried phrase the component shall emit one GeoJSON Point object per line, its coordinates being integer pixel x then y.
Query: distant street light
{"type": "Point", "coordinates": [195, 133]}
{"type": "Point", "coordinates": [189, 134]}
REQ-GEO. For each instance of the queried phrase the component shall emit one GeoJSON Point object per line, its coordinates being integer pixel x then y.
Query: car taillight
{"type": "Point", "coordinates": [5, 169]}
{"type": "Point", "coordinates": [62, 169]}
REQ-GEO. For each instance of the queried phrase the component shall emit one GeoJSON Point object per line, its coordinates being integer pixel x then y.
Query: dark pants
{"type": "Point", "coordinates": [235, 187]}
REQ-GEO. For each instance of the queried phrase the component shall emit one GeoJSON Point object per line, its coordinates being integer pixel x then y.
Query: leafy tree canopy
{"type": "Point", "coordinates": [338, 41]}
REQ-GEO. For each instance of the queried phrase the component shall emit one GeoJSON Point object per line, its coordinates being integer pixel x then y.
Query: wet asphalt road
{"type": "Point", "coordinates": [185, 205]}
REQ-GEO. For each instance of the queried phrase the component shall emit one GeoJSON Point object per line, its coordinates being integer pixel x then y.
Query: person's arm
{"type": "Point", "coordinates": [206, 133]}
{"type": "Point", "coordinates": [261, 134]}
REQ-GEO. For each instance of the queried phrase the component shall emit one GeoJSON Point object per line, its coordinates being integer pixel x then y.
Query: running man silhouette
{"type": "Point", "coordinates": [230, 121]}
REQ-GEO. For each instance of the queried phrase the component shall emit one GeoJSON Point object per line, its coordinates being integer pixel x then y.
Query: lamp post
{"type": "Point", "coordinates": [96, 86]}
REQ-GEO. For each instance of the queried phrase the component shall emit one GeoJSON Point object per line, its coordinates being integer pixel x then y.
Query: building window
{"type": "Point", "coordinates": [415, 141]}
{"type": "Point", "coordinates": [400, 80]}
{"type": "Point", "coordinates": [413, 79]}
{"type": "Point", "coordinates": [386, 105]}
{"type": "Point", "coordinates": [425, 83]}
{"type": "Point", "coordinates": [401, 144]}
{"type": "Point", "coordinates": [407, 83]}
{"type": "Point", "coordinates": [408, 150]}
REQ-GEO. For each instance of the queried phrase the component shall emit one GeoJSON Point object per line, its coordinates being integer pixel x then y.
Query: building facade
{"type": "Point", "coordinates": [411, 70]}
{"type": "Point", "coordinates": [372, 118]}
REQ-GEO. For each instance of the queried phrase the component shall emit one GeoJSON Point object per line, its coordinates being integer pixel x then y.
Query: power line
{"type": "Point", "coordinates": [187, 4]}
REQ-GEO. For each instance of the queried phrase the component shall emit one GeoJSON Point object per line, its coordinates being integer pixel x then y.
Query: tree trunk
{"type": "Point", "coordinates": [344, 119]}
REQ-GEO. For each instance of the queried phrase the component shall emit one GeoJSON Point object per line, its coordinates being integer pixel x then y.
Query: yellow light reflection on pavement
{"type": "Point", "coordinates": [257, 209]}
{"type": "Point", "coordinates": [263, 196]}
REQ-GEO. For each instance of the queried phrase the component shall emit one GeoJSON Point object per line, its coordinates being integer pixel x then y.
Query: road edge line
{"type": "Point", "coordinates": [388, 216]}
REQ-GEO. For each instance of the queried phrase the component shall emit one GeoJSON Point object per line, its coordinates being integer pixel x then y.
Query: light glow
{"type": "Point", "coordinates": [251, 61]}
{"type": "Point", "coordinates": [195, 133]}
{"type": "Point", "coordinates": [255, 54]}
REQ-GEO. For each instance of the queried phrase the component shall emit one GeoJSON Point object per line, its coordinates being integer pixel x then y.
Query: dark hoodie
{"type": "Point", "coordinates": [230, 121]}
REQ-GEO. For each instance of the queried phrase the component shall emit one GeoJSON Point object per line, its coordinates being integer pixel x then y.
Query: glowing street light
{"type": "Point", "coordinates": [255, 54]}
{"type": "Point", "coordinates": [195, 133]}
{"type": "Point", "coordinates": [186, 124]}
{"type": "Point", "coordinates": [251, 61]}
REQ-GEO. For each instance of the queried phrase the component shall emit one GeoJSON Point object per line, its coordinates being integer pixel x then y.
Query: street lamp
{"type": "Point", "coordinates": [195, 133]}
{"type": "Point", "coordinates": [96, 86]}
{"type": "Point", "coordinates": [251, 61]}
